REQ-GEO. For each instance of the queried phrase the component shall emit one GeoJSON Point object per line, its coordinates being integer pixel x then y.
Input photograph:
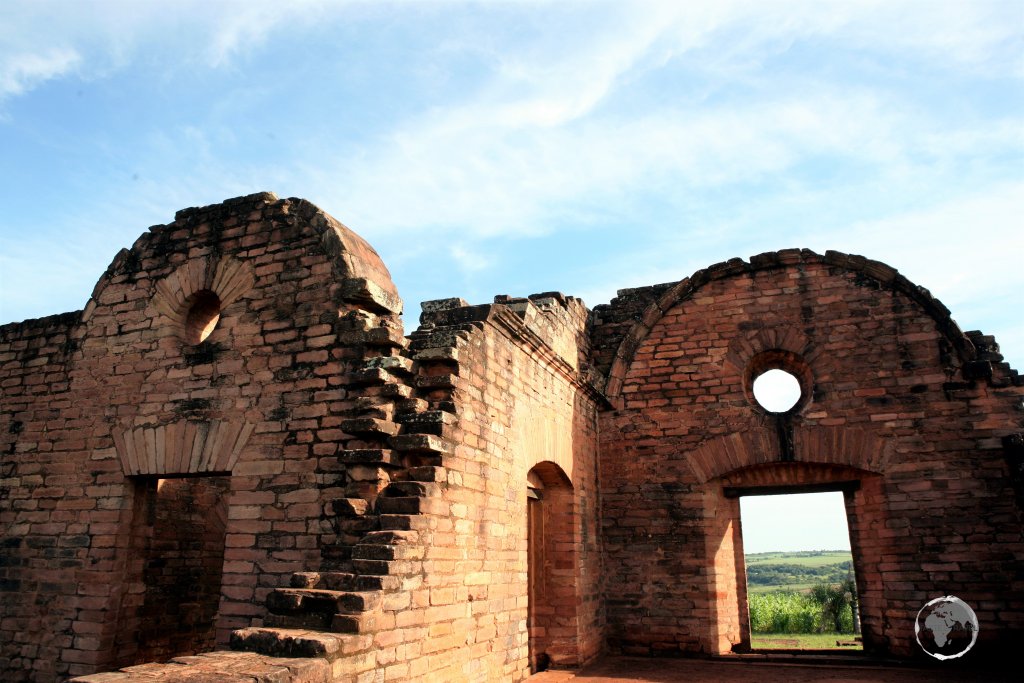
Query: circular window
{"type": "Point", "coordinates": [778, 381]}
{"type": "Point", "coordinates": [202, 317]}
{"type": "Point", "coordinates": [777, 390]}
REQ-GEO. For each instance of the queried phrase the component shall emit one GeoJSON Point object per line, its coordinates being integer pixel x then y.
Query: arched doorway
{"type": "Point", "coordinates": [552, 621]}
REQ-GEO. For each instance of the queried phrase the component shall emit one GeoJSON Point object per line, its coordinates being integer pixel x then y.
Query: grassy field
{"type": "Point", "coordinates": [798, 587]}
{"type": "Point", "coordinates": [803, 641]}
{"type": "Point", "coordinates": [814, 558]}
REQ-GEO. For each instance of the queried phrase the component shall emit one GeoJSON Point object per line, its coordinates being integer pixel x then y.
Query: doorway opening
{"type": "Point", "coordinates": [800, 583]}
{"type": "Point", "coordinates": [175, 566]}
{"type": "Point", "coordinates": [551, 542]}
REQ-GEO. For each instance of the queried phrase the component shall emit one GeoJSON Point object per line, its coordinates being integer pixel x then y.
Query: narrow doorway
{"type": "Point", "coordinates": [552, 569]}
{"type": "Point", "coordinates": [801, 588]}
{"type": "Point", "coordinates": [538, 610]}
{"type": "Point", "coordinates": [175, 568]}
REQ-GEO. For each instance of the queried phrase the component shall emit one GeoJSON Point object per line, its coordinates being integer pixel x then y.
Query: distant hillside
{"type": "Point", "coordinates": [796, 570]}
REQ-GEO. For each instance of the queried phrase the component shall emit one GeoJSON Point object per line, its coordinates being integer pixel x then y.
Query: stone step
{"type": "Point", "coordinates": [347, 507]}
{"type": "Point", "coordinates": [391, 537]}
{"type": "Point", "coordinates": [357, 525]}
{"type": "Point", "coordinates": [354, 623]}
{"type": "Point", "coordinates": [396, 392]}
{"type": "Point", "coordinates": [369, 426]}
{"type": "Point", "coordinates": [427, 473]}
{"type": "Point", "coordinates": [334, 581]}
{"type": "Point", "coordinates": [370, 582]}
{"type": "Point", "coordinates": [447, 381]}
{"type": "Point", "coordinates": [294, 600]}
{"type": "Point", "coordinates": [369, 377]}
{"type": "Point", "coordinates": [402, 522]}
{"type": "Point", "coordinates": [393, 568]}
{"type": "Point", "coordinates": [307, 621]}
{"type": "Point", "coordinates": [387, 552]}
{"type": "Point", "coordinates": [346, 581]}
{"type": "Point", "coordinates": [421, 444]}
{"type": "Point", "coordinates": [337, 556]}
{"type": "Point", "coordinates": [383, 337]}
{"type": "Point", "coordinates": [412, 505]}
{"type": "Point", "coordinates": [373, 406]}
{"type": "Point", "coordinates": [395, 365]}
{"type": "Point", "coordinates": [436, 422]}
{"type": "Point", "coordinates": [410, 406]}
{"type": "Point", "coordinates": [283, 642]}
{"type": "Point", "coordinates": [438, 354]}
{"type": "Point", "coordinates": [419, 489]}
{"type": "Point", "coordinates": [382, 457]}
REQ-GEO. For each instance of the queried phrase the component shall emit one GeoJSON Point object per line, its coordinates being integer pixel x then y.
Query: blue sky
{"type": "Point", "coordinates": [524, 146]}
{"type": "Point", "coordinates": [802, 521]}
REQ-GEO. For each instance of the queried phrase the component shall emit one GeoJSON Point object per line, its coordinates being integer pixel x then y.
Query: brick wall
{"type": "Point", "coordinates": [45, 542]}
{"type": "Point", "coordinates": [895, 398]}
{"type": "Point", "coordinates": [524, 414]}
{"type": "Point", "coordinates": [429, 576]}
{"type": "Point", "coordinates": [512, 486]}
{"type": "Point", "coordinates": [125, 390]}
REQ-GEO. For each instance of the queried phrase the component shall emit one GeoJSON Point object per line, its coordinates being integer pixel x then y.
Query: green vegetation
{"type": "Point", "coordinates": [796, 571]}
{"type": "Point", "coordinates": [807, 558]}
{"type": "Point", "coordinates": [782, 612]}
{"type": "Point", "coordinates": [804, 600]}
{"type": "Point", "coordinates": [825, 608]}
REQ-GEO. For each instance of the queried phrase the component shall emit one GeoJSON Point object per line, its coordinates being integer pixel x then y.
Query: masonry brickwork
{"type": "Point", "coordinates": [236, 459]}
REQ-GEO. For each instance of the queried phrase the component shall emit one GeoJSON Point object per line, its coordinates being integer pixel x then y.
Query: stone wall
{"type": "Point", "coordinates": [899, 407]}
{"type": "Point", "coordinates": [236, 423]}
{"type": "Point", "coordinates": [525, 418]}
{"type": "Point", "coordinates": [46, 534]}
{"type": "Point", "coordinates": [99, 404]}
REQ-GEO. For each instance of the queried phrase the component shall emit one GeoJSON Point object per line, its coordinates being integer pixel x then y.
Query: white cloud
{"type": "Point", "coordinates": [963, 249]}
{"type": "Point", "coordinates": [469, 260]}
{"type": "Point", "coordinates": [549, 138]}
{"type": "Point", "coordinates": [22, 72]}
{"type": "Point", "coordinates": [465, 170]}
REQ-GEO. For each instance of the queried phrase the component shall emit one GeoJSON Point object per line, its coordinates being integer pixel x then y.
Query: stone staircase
{"type": "Point", "coordinates": [389, 481]}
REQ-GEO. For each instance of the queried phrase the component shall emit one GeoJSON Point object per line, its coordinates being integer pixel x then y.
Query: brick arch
{"type": "Point", "coordinates": [181, 448]}
{"type": "Point", "coordinates": [550, 475]}
{"type": "Point", "coordinates": [356, 265]}
{"type": "Point", "coordinates": [792, 474]}
{"type": "Point", "coordinates": [227, 278]}
{"type": "Point", "coordinates": [885, 276]}
{"type": "Point", "coordinates": [830, 446]}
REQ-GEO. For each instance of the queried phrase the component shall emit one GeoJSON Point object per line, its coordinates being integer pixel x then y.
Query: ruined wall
{"type": "Point", "coordinates": [433, 579]}
{"type": "Point", "coordinates": [98, 405]}
{"type": "Point", "coordinates": [895, 399]}
{"type": "Point", "coordinates": [522, 406]}
{"type": "Point", "coordinates": [513, 486]}
{"type": "Point", "coordinates": [45, 530]}
{"type": "Point", "coordinates": [233, 441]}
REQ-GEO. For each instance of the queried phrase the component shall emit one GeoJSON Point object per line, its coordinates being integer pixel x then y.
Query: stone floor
{"type": "Point", "coordinates": [641, 670]}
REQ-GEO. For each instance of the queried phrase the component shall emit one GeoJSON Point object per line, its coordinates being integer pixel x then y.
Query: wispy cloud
{"type": "Point", "coordinates": [492, 179]}
{"type": "Point", "coordinates": [704, 129]}
{"type": "Point", "coordinates": [21, 72]}
{"type": "Point", "coordinates": [469, 260]}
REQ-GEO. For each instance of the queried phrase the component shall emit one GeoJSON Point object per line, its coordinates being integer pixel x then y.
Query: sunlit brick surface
{"type": "Point", "coordinates": [315, 495]}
